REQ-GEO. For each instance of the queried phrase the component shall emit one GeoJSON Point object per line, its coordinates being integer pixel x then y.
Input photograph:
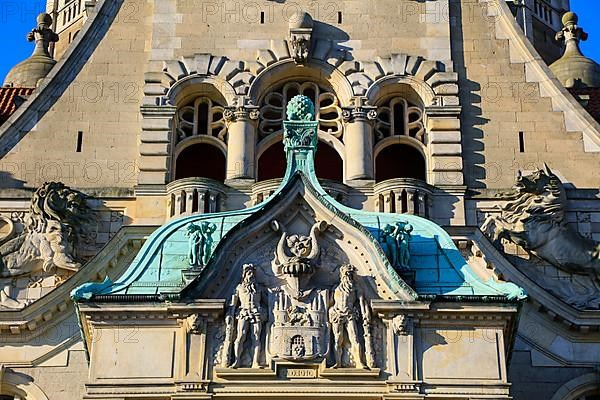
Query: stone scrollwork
{"type": "Point", "coordinates": [57, 220]}
{"type": "Point", "coordinates": [349, 307]}
{"type": "Point", "coordinates": [395, 243]}
{"type": "Point", "coordinates": [245, 317]}
{"type": "Point", "coordinates": [200, 243]}
{"type": "Point", "coordinates": [534, 218]}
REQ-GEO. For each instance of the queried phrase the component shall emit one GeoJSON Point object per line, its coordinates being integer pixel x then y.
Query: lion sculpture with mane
{"type": "Point", "coordinates": [534, 218]}
{"type": "Point", "coordinates": [55, 223]}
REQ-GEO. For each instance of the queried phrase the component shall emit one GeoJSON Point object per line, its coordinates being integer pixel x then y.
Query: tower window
{"type": "Point", "coordinates": [521, 142]}
{"type": "Point", "coordinates": [79, 142]}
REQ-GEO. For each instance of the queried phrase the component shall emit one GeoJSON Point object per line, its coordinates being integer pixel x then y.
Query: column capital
{"type": "Point", "coordinates": [362, 113]}
{"type": "Point", "coordinates": [241, 113]}
{"type": "Point", "coordinates": [359, 110]}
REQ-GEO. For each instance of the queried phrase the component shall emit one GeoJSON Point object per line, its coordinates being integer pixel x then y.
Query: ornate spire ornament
{"type": "Point", "coordinates": [573, 69]}
{"type": "Point", "coordinates": [300, 136]}
{"type": "Point", "coordinates": [39, 64]}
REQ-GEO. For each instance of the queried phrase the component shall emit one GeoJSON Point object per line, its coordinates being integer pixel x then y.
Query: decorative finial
{"type": "Point", "coordinates": [571, 33]}
{"type": "Point", "coordinates": [300, 135]}
{"type": "Point", "coordinates": [43, 35]}
{"type": "Point", "coordinates": [300, 108]}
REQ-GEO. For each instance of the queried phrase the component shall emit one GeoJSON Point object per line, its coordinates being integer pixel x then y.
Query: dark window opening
{"type": "Point", "coordinates": [79, 142]}
{"type": "Point", "coordinates": [398, 119]}
{"type": "Point", "coordinates": [201, 160]}
{"type": "Point", "coordinates": [203, 127]}
{"type": "Point", "coordinates": [328, 163]}
{"type": "Point", "coordinates": [272, 163]}
{"type": "Point", "coordinates": [522, 142]}
{"type": "Point", "coordinates": [262, 17]}
{"type": "Point", "coordinates": [399, 161]}
{"type": "Point", "coordinates": [339, 17]}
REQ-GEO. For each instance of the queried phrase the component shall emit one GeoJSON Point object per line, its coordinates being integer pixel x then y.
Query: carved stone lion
{"type": "Point", "coordinates": [56, 221]}
{"type": "Point", "coordinates": [534, 219]}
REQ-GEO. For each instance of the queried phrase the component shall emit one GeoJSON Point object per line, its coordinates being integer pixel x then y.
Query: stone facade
{"type": "Point", "coordinates": [238, 243]}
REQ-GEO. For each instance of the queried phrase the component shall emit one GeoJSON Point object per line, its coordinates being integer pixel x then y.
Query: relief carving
{"type": "Point", "coordinates": [52, 230]}
{"type": "Point", "coordinates": [296, 256]}
{"type": "Point", "coordinates": [534, 219]}
{"type": "Point", "coordinates": [247, 312]}
{"type": "Point", "coordinates": [348, 309]}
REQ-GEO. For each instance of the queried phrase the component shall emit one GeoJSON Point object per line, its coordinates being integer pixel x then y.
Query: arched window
{"type": "Point", "coordinates": [272, 163]}
{"type": "Point", "coordinates": [398, 117]}
{"type": "Point", "coordinates": [328, 110]}
{"type": "Point", "coordinates": [400, 161]}
{"type": "Point", "coordinates": [201, 116]}
{"type": "Point", "coordinates": [200, 160]}
{"type": "Point", "coordinates": [328, 163]}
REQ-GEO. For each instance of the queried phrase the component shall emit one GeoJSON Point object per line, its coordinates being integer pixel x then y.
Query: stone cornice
{"type": "Point", "coordinates": [23, 325]}
{"type": "Point", "coordinates": [544, 300]}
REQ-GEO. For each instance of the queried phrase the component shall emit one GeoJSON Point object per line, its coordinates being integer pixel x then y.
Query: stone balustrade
{"type": "Point", "coordinates": [194, 195]}
{"type": "Point", "coordinates": [263, 190]}
{"type": "Point", "coordinates": [404, 196]}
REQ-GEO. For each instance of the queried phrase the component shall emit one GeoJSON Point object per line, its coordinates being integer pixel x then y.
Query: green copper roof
{"type": "Point", "coordinates": [162, 265]}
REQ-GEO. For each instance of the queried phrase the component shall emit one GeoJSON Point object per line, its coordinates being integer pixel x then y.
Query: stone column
{"type": "Point", "coordinates": [358, 141]}
{"type": "Point", "coordinates": [241, 141]}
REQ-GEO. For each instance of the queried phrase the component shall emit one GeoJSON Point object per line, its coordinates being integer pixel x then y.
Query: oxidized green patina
{"type": "Point", "coordinates": [422, 247]}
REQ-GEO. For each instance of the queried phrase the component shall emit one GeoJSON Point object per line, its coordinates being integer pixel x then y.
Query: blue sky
{"type": "Point", "coordinates": [17, 17]}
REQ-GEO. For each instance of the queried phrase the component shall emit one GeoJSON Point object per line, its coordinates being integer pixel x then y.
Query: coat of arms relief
{"type": "Point", "coordinates": [306, 304]}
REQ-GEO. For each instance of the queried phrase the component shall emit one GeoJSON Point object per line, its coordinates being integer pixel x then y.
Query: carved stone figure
{"type": "Point", "coordinates": [200, 243]}
{"type": "Point", "coordinates": [534, 219]}
{"type": "Point", "coordinates": [400, 325]}
{"type": "Point", "coordinates": [348, 308]}
{"type": "Point", "coordinates": [396, 246]}
{"type": "Point", "coordinates": [52, 229]}
{"type": "Point", "coordinates": [247, 312]}
{"type": "Point", "coordinates": [56, 220]}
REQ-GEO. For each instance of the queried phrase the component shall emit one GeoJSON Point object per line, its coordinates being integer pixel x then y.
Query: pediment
{"type": "Point", "coordinates": [296, 210]}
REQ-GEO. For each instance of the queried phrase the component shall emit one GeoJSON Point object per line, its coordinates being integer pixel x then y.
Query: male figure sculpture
{"type": "Point", "coordinates": [249, 314]}
{"type": "Point", "coordinates": [349, 306]}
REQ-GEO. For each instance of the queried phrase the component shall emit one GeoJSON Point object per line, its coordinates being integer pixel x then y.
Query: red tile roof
{"type": "Point", "coordinates": [593, 104]}
{"type": "Point", "coordinates": [7, 100]}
